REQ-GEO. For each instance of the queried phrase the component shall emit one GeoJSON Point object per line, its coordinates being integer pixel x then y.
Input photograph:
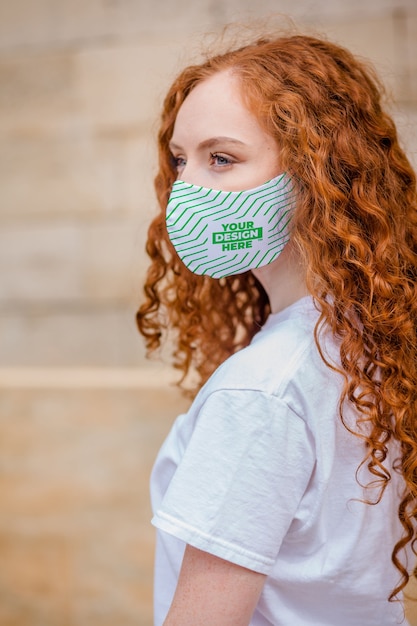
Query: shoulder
{"type": "Point", "coordinates": [275, 355]}
{"type": "Point", "coordinates": [280, 373]}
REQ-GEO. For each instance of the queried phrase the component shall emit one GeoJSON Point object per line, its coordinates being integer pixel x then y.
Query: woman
{"type": "Point", "coordinates": [284, 260]}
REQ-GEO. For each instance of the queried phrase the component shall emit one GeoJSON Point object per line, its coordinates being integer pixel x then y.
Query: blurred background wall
{"type": "Point", "coordinates": [81, 411]}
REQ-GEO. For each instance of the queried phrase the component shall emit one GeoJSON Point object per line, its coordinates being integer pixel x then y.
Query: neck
{"type": "Point", "coordinates": [283, 279]}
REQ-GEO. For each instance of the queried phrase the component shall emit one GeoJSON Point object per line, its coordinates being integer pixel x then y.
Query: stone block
{"type": "Point", "coordinates": [406, 122]}
{"type": "Point", "coordinates": [50, 174]}
{"type": "Point", "coordinates": [75, 512]}
{"type": "Point", "coordinates": [70, 334]}
{"type": "Point", "coordinates": [72, 90]}
{"type": "Point", "coordinates": [40, 262]}
{"type": "Point", "coordinates": [386, 40]}
{"type": "Point", "coordinates": [127, 164]}
{"type": "Point", "coordinates": [412, 56]}
{"type": "Point", "coordinates": [125, 85]}
{"type": "Point", "coordinates": [113, 258]}
{"type": "Point", "coordinates": [42, 23]}
{"type": "Point", "coordinates": [68, 262]}
{"type": "Point", "coordinates": [69, 175]}
{"type": "Point", "coordinates": [37, 90]}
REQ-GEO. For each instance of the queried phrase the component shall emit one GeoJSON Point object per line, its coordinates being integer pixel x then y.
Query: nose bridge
{"type": "Point", "coordinates": [193, 174]}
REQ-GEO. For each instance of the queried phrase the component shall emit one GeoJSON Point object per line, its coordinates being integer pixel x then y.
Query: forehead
{"type": "Point", "coordinates": [216, 105]}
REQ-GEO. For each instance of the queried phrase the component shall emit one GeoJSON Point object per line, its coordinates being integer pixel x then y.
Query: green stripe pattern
{"type": "Point", "coordinates": [222, 233]}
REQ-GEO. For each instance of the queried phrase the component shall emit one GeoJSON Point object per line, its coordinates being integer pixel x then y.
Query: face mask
{"type": "Point", "coordinates": [222, 233]}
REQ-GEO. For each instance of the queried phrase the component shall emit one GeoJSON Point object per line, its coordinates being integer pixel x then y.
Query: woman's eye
{"type": "Point", "coordinates": [219, 159]}
{"type": "Point", "coordinates": [178, 162]}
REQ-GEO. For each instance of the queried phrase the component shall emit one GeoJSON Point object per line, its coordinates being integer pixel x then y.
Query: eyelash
{"type": "Point", "coordinates": [226, 160]}
{"type": "Point", "coordinates": [179, 161]}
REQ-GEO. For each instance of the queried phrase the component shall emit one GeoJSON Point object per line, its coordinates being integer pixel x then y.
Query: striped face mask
{"type": "Point", "coordinates": [222, 233]}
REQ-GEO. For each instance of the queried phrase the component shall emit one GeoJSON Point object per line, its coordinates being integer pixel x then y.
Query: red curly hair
{"type": "Point", "coordinates": [355, 227]}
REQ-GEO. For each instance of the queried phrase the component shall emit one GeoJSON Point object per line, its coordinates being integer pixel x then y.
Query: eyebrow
{"type": "Point", "coordinates": [212, 142]}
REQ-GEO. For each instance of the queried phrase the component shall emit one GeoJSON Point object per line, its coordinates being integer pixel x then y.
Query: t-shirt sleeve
{"type": "Point", "coordinates": [243, 474]}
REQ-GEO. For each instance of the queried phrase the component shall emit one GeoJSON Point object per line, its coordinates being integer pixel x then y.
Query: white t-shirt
{"type": "Point", "coordinates": [261, 472]}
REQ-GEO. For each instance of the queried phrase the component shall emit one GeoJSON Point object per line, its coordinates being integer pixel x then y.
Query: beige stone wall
{"type": "Point", "coordinates": [76, 544]}
{"type": "Point", "coordinates": [81, 83]}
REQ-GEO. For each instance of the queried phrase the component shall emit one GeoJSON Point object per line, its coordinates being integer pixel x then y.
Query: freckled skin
{"type": "Point", "coordinates": [213, 592]}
